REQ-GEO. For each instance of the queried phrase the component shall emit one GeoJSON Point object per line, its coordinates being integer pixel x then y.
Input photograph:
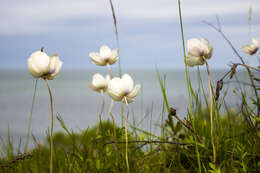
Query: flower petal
{"type": "Point", "coordinates": [97, 59]}
{"type": "Point", "coordinates": [92, 87]}
{"type": "Point", "coordinates": [54, 66]}
{"type": "Point", "coordinates": [40, 61]}
{"type": "Point", "coordinates": [255, 42]}
{"type": "Point", "coordinates": [195, 47]}
{"type": "Point", "coordinates": [134, 92]}
{"type": "Point", "coordinates": [105, 51]}
{"type": "Point", "coordinates": [249, 49]}
{"type": "Point", "coordinates": [115, 89]}
{"type": "Point", "coordinates": [193, 60]}
{"type": "Point", "coordinates": [33, 70]}
{"type": "Point", "coordinates": [128, 83]}
{"type": "Point", "coordinates": [114, 95]}
{"type": "Point", "coordinates": [207, 48]}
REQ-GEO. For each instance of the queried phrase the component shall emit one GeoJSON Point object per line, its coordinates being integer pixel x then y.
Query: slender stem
{"type": "Point", "coordinates": [211, 112]}
{"type": "Point", "coordinates": [109, 70]}
{"type": "Point", "coordinates": [188, 86]}
{"type": "Point", "coordinates": [248, 66]}
{"type": "Point", "coordinates": [102, 109]}
{"type": "Point", "coordinates": [126, 137]}
{"type": "Point", "coordinates": [51, 138]}
{"type": "Point", "coordinates": [30, 119]}
{"type": "Point", "coordinates": [110, 111]}
{"type": "Point", "coordinates": [113, 119]}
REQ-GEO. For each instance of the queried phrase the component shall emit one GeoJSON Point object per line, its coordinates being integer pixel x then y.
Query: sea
{"type": "Point", "coordinates": [79, 106]}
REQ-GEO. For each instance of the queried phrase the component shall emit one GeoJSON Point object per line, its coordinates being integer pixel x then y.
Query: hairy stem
{"type": "Point", "coordinates": [126, 137]}
{"type": "Point", "coordinates": [51, 137]}
{"type": "Point", "coordinates": [188, 86]}
{"type": "Point", "coordinates": [109, 71]}
{"type": "Point", "coordinates": [30, 119]}
{"type": "Point", "coordinates": [211, 113]}
{"type": "Point", "coordinates": [102, 110]}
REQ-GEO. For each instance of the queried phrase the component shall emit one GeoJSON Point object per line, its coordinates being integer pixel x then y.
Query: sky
{"type": "Point", "coordinates": [149, 30]}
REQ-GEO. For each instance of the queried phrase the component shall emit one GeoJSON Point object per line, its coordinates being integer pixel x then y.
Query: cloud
{"type": "Point", "coordinates": [30, 16]}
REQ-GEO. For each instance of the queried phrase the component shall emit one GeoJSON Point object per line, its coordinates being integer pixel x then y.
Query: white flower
{"type": "Point", "coordinates": [124, 87]}
{"type": "Point", "coordinates": [38, 64]}
{"type": "Point", "coordinates": [105, 56]}
{"type": "Point", "coordinates": [198, 51]}
{"type": "Point", "coordinates": [41, 65]}
{"type": "Point", "coordinates": [99, 83]}
{"type": "Point", "coordinates": [54, 66]}
{"type": "Point", "coordinates": [252, 48]}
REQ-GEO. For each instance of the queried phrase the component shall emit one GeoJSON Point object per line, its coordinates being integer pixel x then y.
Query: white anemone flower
{"type": "Point", "coordinates": [106, 56]}
{"type": "Point", "coordinates": [252, 48]}
{"type": "Point", "coordinates": [38, 64]}
{"type": "Point", "coordinates": [198, 51]}
{"type": "Point", "coordinates": [99, 83]}
{"type": "Point", "coordinates": [41, 65]}
{"type": "Point", "coordinates": [121, 88]}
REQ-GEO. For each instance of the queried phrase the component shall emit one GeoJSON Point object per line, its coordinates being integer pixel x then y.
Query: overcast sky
{"type": "Point", "coordinates": [149, 30]}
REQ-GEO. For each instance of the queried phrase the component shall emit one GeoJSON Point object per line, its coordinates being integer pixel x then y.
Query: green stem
{"type": "Point", "coordinates": [30, 119]}
{"type": "Point", "coordinates": [126, 137]}
{"type": "Point", "coordinates": [188, 86]}
{"type": "Point", "coordinates": [211, 113]}
{"type": "Point", "coordinates": [51, 138]}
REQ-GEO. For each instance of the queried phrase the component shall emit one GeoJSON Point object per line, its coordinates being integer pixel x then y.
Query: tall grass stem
{"type": "Point", "coordinates": [188, 86]}
{"type": "Point", "coordinates": [51, 137]}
